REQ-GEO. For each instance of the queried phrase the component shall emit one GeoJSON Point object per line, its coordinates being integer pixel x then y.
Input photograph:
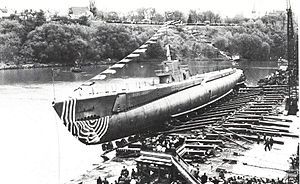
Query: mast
{"type": "Point", "coordinates": [168, 53]}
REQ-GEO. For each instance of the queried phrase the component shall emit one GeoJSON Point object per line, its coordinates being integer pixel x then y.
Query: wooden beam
{"type": "Point", "coordinates": [247, 140]}
{"type": "Point", "coordinates": [227, 138]}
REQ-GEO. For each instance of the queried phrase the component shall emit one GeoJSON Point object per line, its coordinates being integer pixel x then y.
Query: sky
{"type": "Point", "coordinates": [223, 7]}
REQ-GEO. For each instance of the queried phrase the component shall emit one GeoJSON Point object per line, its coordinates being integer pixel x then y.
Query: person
{"type": "Point", "coordinates": [222, 175]}
{"type": "Point", "coordinates": [105, 181]}
{"type": "Point", "coordinates": [203, 178]}
{"type": "Point", "coordinates": [209, 181]}
{"type": "Point", "coordinates": [133, 173]}
{"type": "Point", "coordinates": [258, 138]}
{"type": "Point", "coordinates": [215, 180]}
{"type": "Point", "coordinates": [197, 174]}
{"type": "Point", "coordinates": [271, 142]}
{"type": "Point", "coordinates": [132, 181]}
{"type": "Point", "coordinates": [293, 162]}
{"type": "Point", "coordinates": [267, 144]}
{"type": "Point", "coordinates": [124, 172]}
{"type": "Point", "coordinates": [99, 180]}
{"type": "Point", "coordinates": [265, 137]}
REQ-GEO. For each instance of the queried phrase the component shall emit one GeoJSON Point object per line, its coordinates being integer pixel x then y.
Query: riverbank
{"type": "Point", "coordinates": [10, 66]}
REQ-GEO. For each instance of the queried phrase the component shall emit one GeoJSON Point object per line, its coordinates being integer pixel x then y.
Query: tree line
{"type": "Point", "coordinates": [253, 40]}
{"type": "Point", "coordinates": [31, 37]}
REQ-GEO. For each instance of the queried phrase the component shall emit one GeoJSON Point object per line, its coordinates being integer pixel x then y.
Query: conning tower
{"type": "Point", "coordinates": [171, 70]}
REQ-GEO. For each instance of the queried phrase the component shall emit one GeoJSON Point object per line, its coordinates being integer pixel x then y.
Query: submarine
{"type": "Point", "coordinates": [97, 117]}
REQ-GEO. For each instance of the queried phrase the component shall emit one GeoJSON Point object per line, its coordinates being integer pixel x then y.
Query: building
{"type": "Point", "coordinates": [76, 12]}
{"type": "Point", "coordinates": [4, 13]}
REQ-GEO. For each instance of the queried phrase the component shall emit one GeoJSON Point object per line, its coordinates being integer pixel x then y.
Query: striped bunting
{"type": "Point", "coordinates": [118, 65]}
{"type": "Point", "coordinates": [99, 77]}
{"type": "Point", "coordinates": [150, 42]}
{"type": "Point", "coordinates": [143, 46]}
{"type": "Point", "coordinates": [87, 131]}
{"type": "Point", "coordinates": [134, 54]}
{"type": "Point", "coordinates": [125, 60]}
{"type": "Point", "coordinates": [109, 71]}
{"type": "Point", "coordinates": [139, 50]}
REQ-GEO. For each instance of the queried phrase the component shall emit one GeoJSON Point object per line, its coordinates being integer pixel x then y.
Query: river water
{"type": "Point", "coordinates": [35, 147]}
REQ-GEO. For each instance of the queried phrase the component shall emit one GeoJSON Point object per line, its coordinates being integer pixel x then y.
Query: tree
{"type": "Point", "coordinates": [141, 14]}
{"type": "Point", "coordinates": [151, 12]}
{"type": "Point", "coordinates": [116, 41]}
{"type": "Point", "coordinates": [209, 15]}
{"type": "Point", "coordinates": [193, 16]}
{"type": "Point", "coordinates": [11, 26]}
{"type": "Point", "coordinates": [32, 19]}
{"type": "Point", "coordinates": [93, 8]}
{"type": "Point", "coordinates": [112, 16]}
{"type": "Point", "coordinates": [158, 18]}
{"type": "Point", "coordinates": [53, 42]}
{"type": "Point", "coordinates": [248, 46]}
{"type": "Point", "coordinates": [189, 20]}
{"type": "Point", "coordinates": [155, 51]}
{"type": "Point", "coordinates": [237, 19]}
{"type": "Point", "coordinates": [10, 45]}
{"type": "Point", "coordinates": [174, 15]}
{"type": "Point", "coordinates": [11, 35]}
{"type": "Point", "coordinates": [265, 51]}
{"type": "Point", "coordinates": [221, 43]}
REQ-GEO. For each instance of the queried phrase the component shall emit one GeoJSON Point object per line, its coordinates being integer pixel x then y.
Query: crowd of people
{"type": "Point", "coordinates": [162, 143]}
{"type": "Point", "coordinates": [268, 141]}
{"type": "Point", "coordinates": [279, 78]}
{"type": "Point", "coordinates": [204, 179]}
{"type": "Point", "coordinates": [125, 178]}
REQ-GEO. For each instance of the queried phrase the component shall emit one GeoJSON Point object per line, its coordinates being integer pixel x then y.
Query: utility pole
{"type": "Point", "coordinates": [53, 86]}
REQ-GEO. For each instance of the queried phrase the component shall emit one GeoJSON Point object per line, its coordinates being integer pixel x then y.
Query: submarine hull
{"type": "Point", "coordinates": [145, 117]}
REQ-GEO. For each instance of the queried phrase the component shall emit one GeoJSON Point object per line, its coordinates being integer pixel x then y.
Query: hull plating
{"type": "Point", "coordinates": [95, 130]}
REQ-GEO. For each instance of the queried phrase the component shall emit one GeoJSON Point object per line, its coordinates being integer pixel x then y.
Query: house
{"type": "Point", "coordinates": [76, 12]}
{"type": "Point", "coordinates": [4, 13]}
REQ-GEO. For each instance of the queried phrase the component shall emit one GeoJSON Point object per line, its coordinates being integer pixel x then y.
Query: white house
{"type": "Point", "coordinates": [4, 12]}
{"type": "Point", "coordinates": [76, 12]}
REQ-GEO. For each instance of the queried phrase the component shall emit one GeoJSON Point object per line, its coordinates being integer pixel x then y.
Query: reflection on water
{"type": "Point", "coordinates": [253, 70]}
{"type": "Point", "coordinates": [44, 75]}
{"type": "Point", "coordinates": [36, 146]}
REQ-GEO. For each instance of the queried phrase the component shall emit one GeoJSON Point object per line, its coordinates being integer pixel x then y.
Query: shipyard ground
{"type": "Point", "coordinates": [233, 159]}
{"type": "Point", "coordinates": [256, 162]}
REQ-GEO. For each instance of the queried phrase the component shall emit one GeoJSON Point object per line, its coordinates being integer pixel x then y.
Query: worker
{"type": "Point", "coordinates": [271, 143]}
{"type": "Point", "coordinates": [125, 172]}
{"type": "Point", "coordinates": [99, 180]}
{"type": "Point", "coordinates": [258, 138]}
{"type": "Point", "coordinates": [267, 144]}
{"type": "Point", "coordinates": [105, 181]}
{"type": "Point", "coordinates": [203, 178]}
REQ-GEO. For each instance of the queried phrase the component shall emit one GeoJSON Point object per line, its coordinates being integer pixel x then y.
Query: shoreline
{"type": "Point", "coordinates": [41, 65]}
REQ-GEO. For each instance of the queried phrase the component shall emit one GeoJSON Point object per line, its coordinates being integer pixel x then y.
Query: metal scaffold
{"type": "Point", "coordinates": [292, 57]}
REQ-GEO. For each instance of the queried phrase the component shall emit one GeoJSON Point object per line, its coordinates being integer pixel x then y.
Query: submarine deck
{"type": "Point", "coordinates": [98, 88]}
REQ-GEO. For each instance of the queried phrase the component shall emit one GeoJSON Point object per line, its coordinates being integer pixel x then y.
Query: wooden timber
{"type": "Point", "coordinates": [254, 138]}
{"type": "Point", "coordinates": [204, 141]}
{"type": "Point", "coordinates": [227, 129]}
{"type": "Point", "coordinates": [229, 139]}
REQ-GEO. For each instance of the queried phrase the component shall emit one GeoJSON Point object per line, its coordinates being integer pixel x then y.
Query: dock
{"type": "Point", "coordinates": [227, 137]}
